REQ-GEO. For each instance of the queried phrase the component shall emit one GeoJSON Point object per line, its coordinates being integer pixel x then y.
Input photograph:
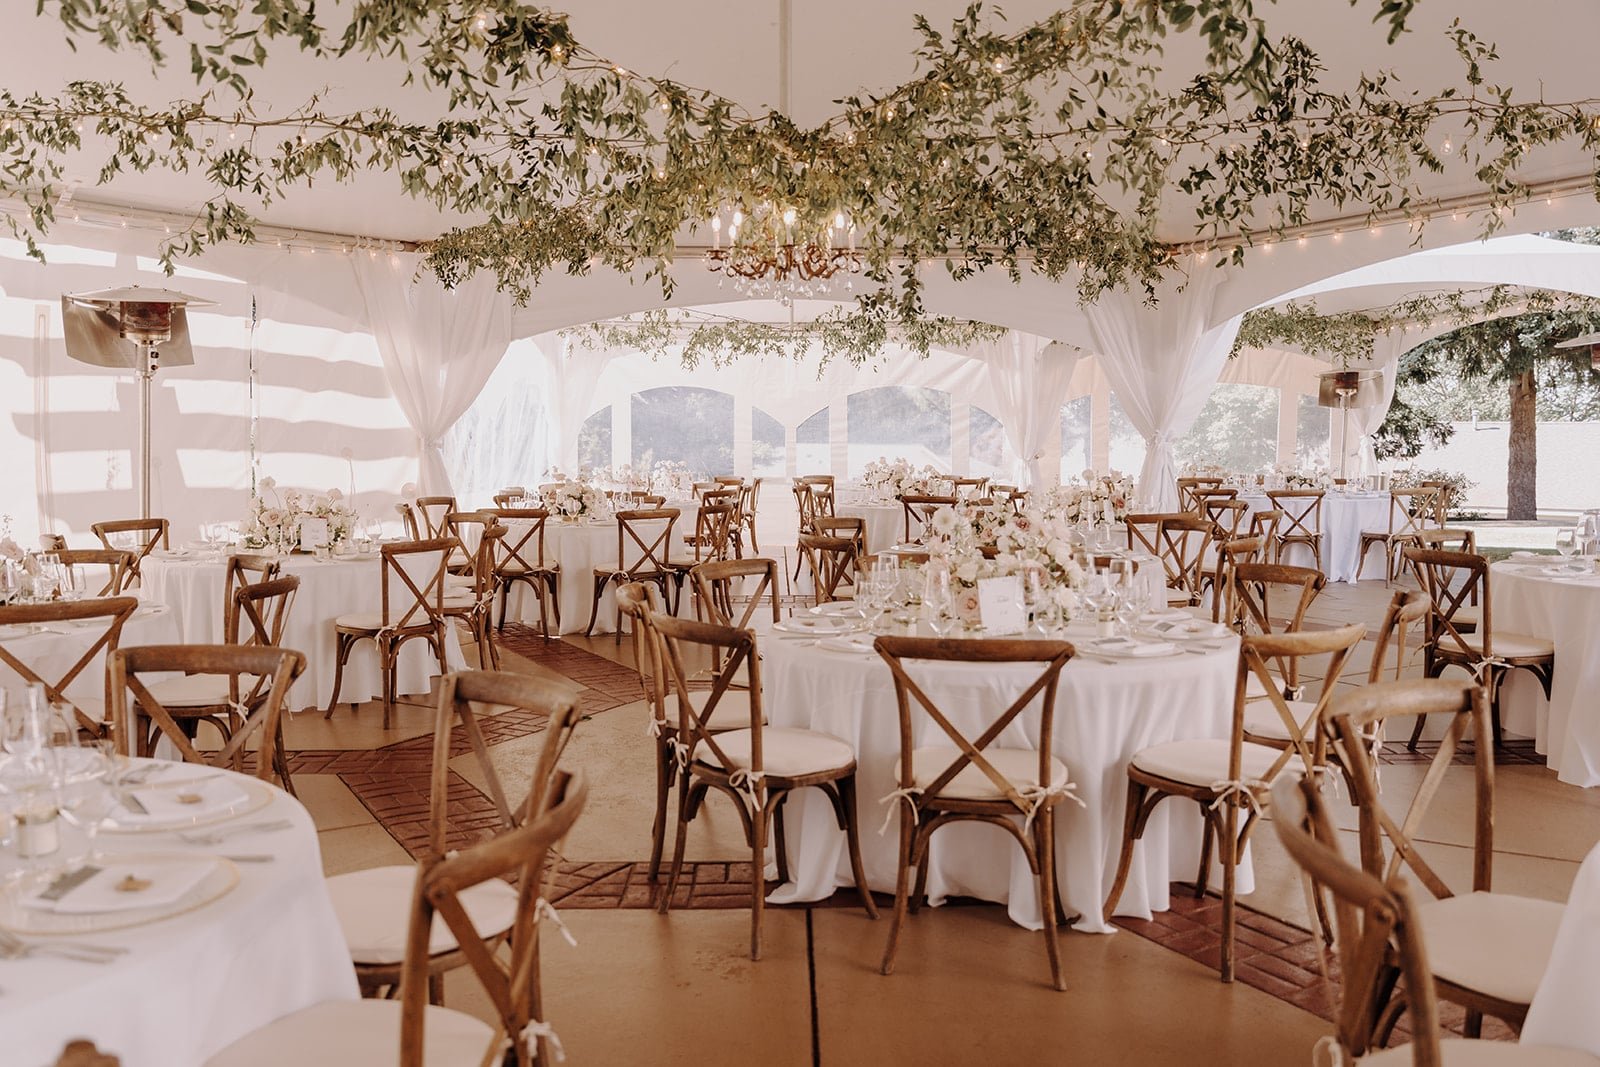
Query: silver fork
{"type": "Point", "coordinates": [13, 947]}
{"type": "Point", "coordinates": [216, 837]}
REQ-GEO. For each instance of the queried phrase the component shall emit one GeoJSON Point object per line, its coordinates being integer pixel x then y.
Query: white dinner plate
{"type": "Point", "coordinates": [16, 914]}
{"type": "Point", "coordinates": [816, 625]}
{"type": "Point", "coordinates": [838, 609]}
{"type": "Point", "coordinates": [253, 797]}
{"type": "Point", "coordinates": [1127, 648]}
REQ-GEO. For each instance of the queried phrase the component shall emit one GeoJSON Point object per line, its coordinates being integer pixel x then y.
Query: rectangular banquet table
{"type": "Point", "coordinates": [193, 585]}
{"type": "Point", "coordinates": [191, 984]}
{"type": "Point", "coordinates": [1105, 713]}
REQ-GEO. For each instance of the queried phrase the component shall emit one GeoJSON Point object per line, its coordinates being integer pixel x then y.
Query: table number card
{"type": "Point", "coordinates": [1000, 605]}
{"type": "Point", "coordinates": [313, 534]}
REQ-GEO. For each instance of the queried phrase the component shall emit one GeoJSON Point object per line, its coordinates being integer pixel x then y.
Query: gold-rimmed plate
{"type": "Point", "coordinates": [254, 796]}
{"type": "Point", "coordinates": [18, 917]}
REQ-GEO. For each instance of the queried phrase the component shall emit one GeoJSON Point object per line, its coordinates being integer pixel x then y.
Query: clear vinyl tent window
{"type": "Point", "coordinates": [594, 440]}
{"type": "Point", "coordinates": [898, 421]}
{"type": "Point", "coordinates": [1076, 427]}
{"type": "Point", "coordinates": [811, 453]}
{"type": "Point", "coordinates": [683, 424]}
{"type": "Point", "coordinates": [989, 453]}
{"type": "Point", "coordinates": [1237, 430]}
{"type": "Point", "coordinates": [1127, 444]}
{"type": "Point", "coordinates": [766, 445]}
{"type": "Point", "coordinates": [1313, 433]}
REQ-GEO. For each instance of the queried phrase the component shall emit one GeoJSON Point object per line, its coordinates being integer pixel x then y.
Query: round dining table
{"type": "Point", "coordinates": [51, 650]}
{"type": "Point", "coordinates": [186, 985]}
{"type": "Point", "coordinates": [1345, 517]}
{"type": "Point", "coordinates": [1561, 603]}
{"type": "Point", "coordinates": [886, 522]}
{"type": "Point", "coordinates": [1106, 711]}
{"type": "Point", "coordinates": [192, 585]}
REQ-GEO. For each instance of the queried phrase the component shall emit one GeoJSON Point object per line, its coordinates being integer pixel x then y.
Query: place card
{"type": "Point", "coordinates": [1000, 605]}
{"type": "Point", "coordinates": [313, 534]}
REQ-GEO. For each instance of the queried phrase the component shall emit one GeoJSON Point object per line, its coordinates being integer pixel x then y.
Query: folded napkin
{"type": "Point", "coordinates": [817, 624]}
{"type": "Point", "coordinates": [196, 798]}
{"type": "Point", "coordinates": [1188, 627]}
{"type": "Point", "coordinates": [123, 885]}
{"type": "Point", "coordinates": [1125, 646]}
{"type": "Point", "coordinates": [848, 643]}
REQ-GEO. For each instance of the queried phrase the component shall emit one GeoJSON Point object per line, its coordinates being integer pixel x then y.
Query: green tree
{"type": "Point", "coordinates": [1518, 353]}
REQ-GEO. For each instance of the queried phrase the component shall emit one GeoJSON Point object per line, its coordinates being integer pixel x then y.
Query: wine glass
{"type": "Point", "coordinates": [1567, 544]}
{"type": "Point", "coordinates": [1100, 594]}
{"type": "Point", "coordinates": [85, 794]}
{"type": "Point", "coordinates": [1035, 597]}
{"type": "Point", "coordinates": [937, 601]}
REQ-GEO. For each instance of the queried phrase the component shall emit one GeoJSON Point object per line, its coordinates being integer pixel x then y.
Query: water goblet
{"type": "Point", "coordinates": [1035, 597]}
{"type": "Point", "coordinates": [1567, 544]}
{"type": "Point", "coordinates": [937, 601]}
{"type": "Point", "coordinates": [85, 794]}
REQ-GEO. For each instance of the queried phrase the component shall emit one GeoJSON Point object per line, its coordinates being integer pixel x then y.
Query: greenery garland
{"type": "Point", "coordinates": [856, 336]}
{"type": "Point", "coordinates": [1053, 146]}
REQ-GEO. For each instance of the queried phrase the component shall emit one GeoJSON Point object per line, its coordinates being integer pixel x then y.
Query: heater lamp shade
{"type": "Point", "coordinates": [1360, 389]}
{"type": "Point", "coordinates": [95, 332]}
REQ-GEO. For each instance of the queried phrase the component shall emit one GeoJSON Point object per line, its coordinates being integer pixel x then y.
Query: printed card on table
{"type": "Point", "coordinates": [1000, 605]}
{"type": "Point", "coordinates": [313, 533]}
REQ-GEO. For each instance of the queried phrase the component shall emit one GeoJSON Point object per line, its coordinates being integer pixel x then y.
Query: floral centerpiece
{"type": "Point", "coordinates": [989, 541]}
{"type": "Point", "coordinates": [1100, 498]}
{"type": "Point", "coordinates": [574, 500]}
{"type": "Point", "coordinates": [1295, 478]}
{"type": "Point", "coordinates": [671, 479]}
{"type": "Point", "coordinates": [9, 549]}
{"type": "Point", "coordinates": [275, 517]}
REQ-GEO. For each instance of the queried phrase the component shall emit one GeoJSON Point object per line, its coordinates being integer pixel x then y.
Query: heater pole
{"type": "Point", "coordinates": [146, 381]}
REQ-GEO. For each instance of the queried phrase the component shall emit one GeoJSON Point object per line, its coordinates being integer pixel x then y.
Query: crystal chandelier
{"type": "Point", "coordinates": [766, 259]}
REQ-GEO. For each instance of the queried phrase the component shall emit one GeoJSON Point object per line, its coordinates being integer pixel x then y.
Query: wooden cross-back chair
{"type": "Point", "coordinates": [1264, 524]}
{"type": "Point", "coordinates": [118, 565]}
{"type": "Point", "coordinates": [1269, 598]}
{"type": "Point", "coordinates": [1301, 523]}
{"type": "Point", "coordinates": [1461, 637]}
{"type": "Point", "coordinates": [508, 496]}
{"type": "Point", "coordinates": [412, 608]}
{"type": "Point", "coordinates": [1410, 512]}
{"type": "Point", "coordinates": [1488, 950]}
{"type": "Point", "coordinates": [104, 618]}
{"type": "Point", "coordinates": [1204, 497]}
{"type": "Point", "coordinates": [1144, 529]}
{"type": "Point", "coordinates": [411, 1032]}
{"type": "Point", "coordinates": [269, 669]}
{"type": "Point", "coordinates": [1281, 716]}
{"type": "Point", "coordinates": [722, 584]}
{"type": "Point", "coordinates": [1227, 778]}
{"type": "Point", "coordinates": [138, 537]}
{"type": "Point", "coordinates": [1218, 581]}
{"type": "Point", "coordinates": [962, 775]}
{"type": "Point", "coordinates": [964, 488]}
{"type": "Point", "coordinates": [919, 509]}
{"type": "Point", "coordinates": [372, 904]}
{"type": "Point", "coordinates": [467, 528]}
{"type": "Point", "coordinates": [522, 561]}
{"type": "Point", "coordinates": [1189, 487]}
{"type": "Point", "coordinates": [1379, 937]}
{"type": "Point", "coordinates": [1182, 544]}
{"type": "Point", "coordinates": [644, 541]}
{"type": "Point", "coordinates": [435, 514]}
{"type": "Point", "coordinates": [246, 568]}
{"type": "Point", "coordinates": [850, 526]}
{"type": "Point", "coordinates": [408, 521]}
{"type": "Point", "coordinates": [473, 605]}
{"type": "Point", "coordinates": [1231, 515]}
{"type": "Point", "coordinates": [757, 766]}
{"type": "Point", "coordinates": [256, 617]}
{"type": "Point", "coordinates": [714, 524]}
{"type": "Point", "coordinates": [833, 563]}
{"type": "Point", "coordinates": [749, 501]}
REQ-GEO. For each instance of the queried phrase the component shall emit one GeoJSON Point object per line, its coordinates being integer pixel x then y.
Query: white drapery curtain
{"type": "Point", "coordinates": [1364, 422]}
{"type": "Point", "coordinates": [1162, 362]}
{"type": "Point", "coordinates": [438, 345]}
{"type": "Point", "coordinates": [1029, 376]}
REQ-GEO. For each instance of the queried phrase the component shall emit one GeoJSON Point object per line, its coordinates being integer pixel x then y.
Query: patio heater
{"type": "Point", "coordinates": [1346, 389]}
{"type": "Point", "coordinates": [135, 329]}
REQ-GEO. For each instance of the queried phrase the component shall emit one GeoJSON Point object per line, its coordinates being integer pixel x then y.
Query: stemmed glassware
{"type": "Point", "coordinates": [1567, 544]}
{"type": "Point", "coordinates": [1035, 599]}
{"type": "Point", "coordinates": [86, 793]}
{"type": "Point", "coordinates": [938, 603]}
{"type": "Point", "coordinates": [882, 582]}
{"type": "Point", "coordinates": [1101, 595]}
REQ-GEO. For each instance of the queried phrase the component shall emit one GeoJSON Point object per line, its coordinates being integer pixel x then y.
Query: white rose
{"type": "Point", "coordinates": [967, 572]}
{"type": "Point", "coordinates": [334, 494]}
{"type": "Point", "coordinates": [268, 483]}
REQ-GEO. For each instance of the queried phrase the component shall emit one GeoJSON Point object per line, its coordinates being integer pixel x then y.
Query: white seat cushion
{"type": "Point", "coordinates": [1203, 761]}
{"type": "Point", "coordinates": [785, 753]}
{"type": "Point", "coordinates": [731, 713]}
{"type": "Point", "coordinates": [373, 620]}
{"type": "Point", "coordinates": [1457, 1052]}
{"type": "Point", "coordinates": [1262, 719]}
{"type": "Point", "coordinates": [357, 1033]}
{"type": "Point", "coordinates": [1494, 943]}
{"type": "Point", "coordinates": [1512, 646]}
{"type": "Point", "coordinates": [374, 907]}
{"type": "Point", "coordinates": [457, 602]}
{"type": "Point", "coordinates": [197, 690]}
{"type": "Point", "coordinates": [456, 581]}
{"type": "Point", "coordinates": [1019, 766]}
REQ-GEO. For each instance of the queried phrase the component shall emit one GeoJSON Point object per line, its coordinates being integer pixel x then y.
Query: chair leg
{"type": "Point", "coordinates": [594, 609]}
{"type": "Point", "coordinates": [852, 833]}
{"type": "Point", "coordinates": [758, 880]}
{"type": "Point", "coordinates": [677, 849]}
{"type": "Point", "coordinates": [902, 888]}
{"type": "Point", "coordinates": [342, 645]}
{"type": "Point", "coordinates": [1207, 836]}
{"type": "Point", "coordinates": [1130, 823]}
{"type": "Point", "coordinates": [1044, 843]}
{"type": "Point", "coordinates": [1227, 854]}
{"type": "Point", "coordinates": [666, 767]}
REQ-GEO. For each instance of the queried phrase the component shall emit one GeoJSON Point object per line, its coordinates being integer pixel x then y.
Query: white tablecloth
{"type": "Point", "coordinates": [886, 523]}
{"type": "Point", "coordinates": [52, 653]}
{"type": "Point", "coordinates": [1344, 517]}
{"type": "Point", "coordinates": [191, 984]}
{"type": "Point", "coordinates": [1104, 714]}
{"type": "Point", "coordinates": [193, 588]}
{"type": "Point", "coordinates": [1566, 728]}
{"type": "Point", "coordinates": [1563, 1010]}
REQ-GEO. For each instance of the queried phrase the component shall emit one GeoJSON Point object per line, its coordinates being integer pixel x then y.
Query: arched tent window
{"type": "Point", "coordinates": [1076, 416]}
{"type": "Point", "coordinates": [1313, 430]}
{"type": "Point", "coordinates": [594, 440]}
{"type": "Point", "coordinates": [897, 420]}
{"type": "Point", "coordinates": [684, 424]}
{"type": "Point", "coordinates": [989, 453]}
{"type": "Point", "coordinates": [501, 440]}
{"type": "Point", "coordinates": [1237, 430]}
{"type": "Point", "coordinates": [766, 445]}
{"type": "Point", "coordinates": [811, 445]}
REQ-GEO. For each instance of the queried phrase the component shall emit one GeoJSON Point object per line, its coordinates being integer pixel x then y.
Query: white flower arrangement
{"type": "Point", "coordinates": [1101, 498]}
{"type": "Point", "coordinates": [9, 549]}
{"type": "Point", "coordinates": [1296, 478]}
{"type": "Point", "coordinates": [275, 522]}
{"type": "Point", "coordinates": [574, 500]}
{"type": "Point", "coordinates": [989, 541]}
{"type": "Point", "coordinates": [672, 479]}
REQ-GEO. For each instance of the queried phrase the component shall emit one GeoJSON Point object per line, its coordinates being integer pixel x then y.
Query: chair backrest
{"type": "Point", "coordinates": [278, 666]}
{"type": "Point", "coordinates": [850, 526]}
{"type": "Point", "coordinates": [813, 496]}
{"type": "Point", "coordinates": [1049, 656]}
{"type": "Point", "coordinates": [1373, 920]}
{"type": "Point", "coordinates": [102, 618]}
{"type": "Point", "coordinates": [52, 542]}
{"type": "Point", "coordinates": [408, 518]}
{"type": "Point", "coordinates": [435, 513]}
{"type": "Point", "coordinates": [638, 601]}
{"type": "Point", "coordinates": [413, 583]}
{"type": "Point", "coordinates": [1302, 512]}
{"type": "Point", "coordinates": [1412, 510]}
{"type": "Point", "coordinates": [1449, 538]}
{"type": "Point", "coordinates": [256, 618]}
{"type": "Point", "coordinates": [467, 527]}
{"type": "Point", "coordinates": [138, 537]}
{"type": "Point", "coordinates": [1451, 580]}
{"type": "Point", "coordinates": [962, 488]}
{"type": "Point", "coordinates": [713, 527]}
{"type": "Point", "coordinates": [832, 561]}
{"type": "Point", "coordinates": [919, 508]}
{"type": "Point", "coordinates": [729, 479]}
{"type": "Point", "coordinates": [522, 548]}
{"type": "Point", "coordinates": [1230, 554]}
{"type": "Point", "coordinates": [1302, 727]}
{"type": "Point", "coordinates": [716, 584]}
{"type": "Point", "coordinates": [1272, 598]}
{"type": "Point", "coordinates": [509, 495]}
{"type": "Point", "coordinates": [644, 541]}
{"type": "Point", "coordinates": [1144, 529]}
{"type": "Point", "coordinates": [118, 565]}
{"type": "Point", "coordinates": [647, 500]}
{"type": "Point", "coordinates": [1388, 843]}
{"type": "Point", "coordinates": [1187, 488]}
{"type": "Point", "coordinates": [1264, 524]}
{"type": "Point", "coordinates": [1181, 545]}
{"type": "Point", "coordinates": [750, 500]}
{"type": "Point", "coordinates": [1441, 502]}
{"type": "Point", "coordinates": [1406, 609]}
{"type": "Point", "coordinates": [509, 976]}
{"type": "Point", "coordinates": [1231, 516]}
{"type": "Point", "coordinates": [246, 568]}
{"type": "Point", "coordinates": [734, 650]}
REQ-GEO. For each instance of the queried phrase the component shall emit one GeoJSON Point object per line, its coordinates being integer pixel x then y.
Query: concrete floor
{"type": "Point", "coordinates": [969, 986]}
